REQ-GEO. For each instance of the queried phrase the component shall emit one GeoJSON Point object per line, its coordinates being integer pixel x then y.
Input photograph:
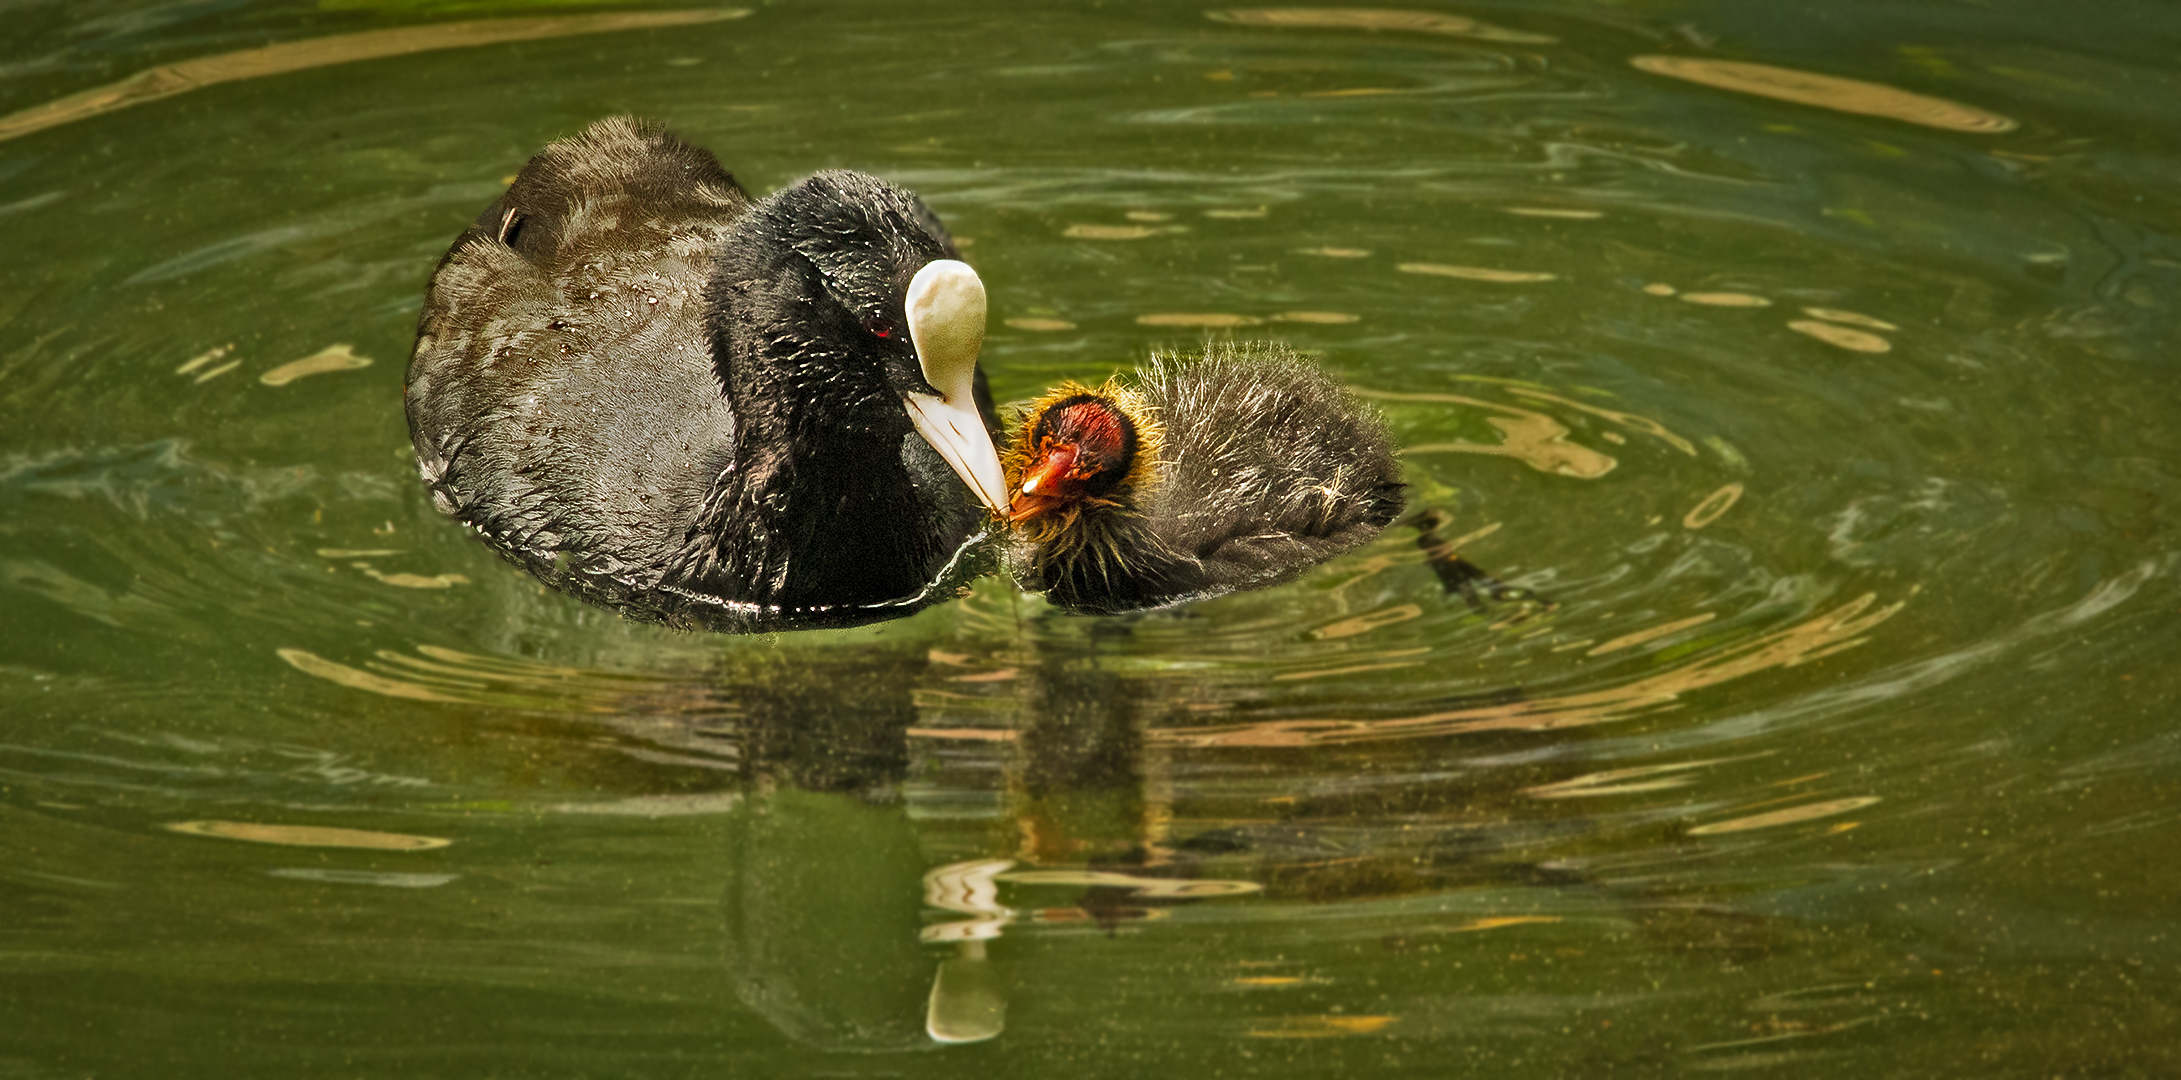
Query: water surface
{"type": "Point", "coordinates": [1802, 701]}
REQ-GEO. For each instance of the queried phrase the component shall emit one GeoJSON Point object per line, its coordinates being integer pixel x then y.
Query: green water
{"type": "Point", "coordinates": [1824, 723]}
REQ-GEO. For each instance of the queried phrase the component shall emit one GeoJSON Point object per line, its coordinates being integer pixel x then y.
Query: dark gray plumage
{"type": "Point", "coordinates": [657, 395]}
{"type": "Point", "coordinates": [1238, 470]}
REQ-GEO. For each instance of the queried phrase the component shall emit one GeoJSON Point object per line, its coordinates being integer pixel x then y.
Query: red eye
{"type": "Point", "coordinates": [878, 326]}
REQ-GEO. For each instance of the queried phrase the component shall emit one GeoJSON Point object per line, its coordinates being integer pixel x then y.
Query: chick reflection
{"type": "Point", "coordinates": [1089, 801]}
{"type": "Point", "coordinates": [1077, 785]}
{"type": "Point", "coordinates": [822, 905]}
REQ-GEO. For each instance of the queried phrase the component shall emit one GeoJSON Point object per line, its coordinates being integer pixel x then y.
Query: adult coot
{"type": "Point", "coordinates": [1236, 470]}
{"type": "Point", "coordinates": [664, 398]}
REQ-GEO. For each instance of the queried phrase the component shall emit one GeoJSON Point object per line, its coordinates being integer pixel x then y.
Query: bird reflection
{"type": "Point", "coordinates": [831, 720]}
{"type": "Point", "coordinates": [861, 915]}
{"type": "Point", "coordinates": [846, 933]}
{"type": "Point", "coordinates": [822, 919]}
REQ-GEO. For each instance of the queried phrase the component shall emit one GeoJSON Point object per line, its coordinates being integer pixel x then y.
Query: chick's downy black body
{"type": "Point", "coordinates": [1236, 470]}
{"type": "Point", "coordinates": [664, 398]}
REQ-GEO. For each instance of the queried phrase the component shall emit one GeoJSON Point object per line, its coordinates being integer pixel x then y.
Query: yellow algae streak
{"type": "Point", "coordinates": [1213, 320]}
{"type": "Point", "coordinates": [1477, 273]}
{"type": "Point", "coordinates": [1039, 324]}
{"type": "Point", "coordinates": [1850, 317]}
{"type": "Point", "coordinates": [309, 836]}
{"type": "Point", "coordinates": [1554, 212]}
{"type": "Point", "coordinates": [1628, 420]}
{"type": "Point", "coordinates": [1725, 299]}
{"type": "Point", "coordinates": [1826, 92]}
{"type": "Point", "coordinates": [1630, 641]}
{"type": "Point", "coordinates": [445, 675]}
{"type": "Point", "coordinates": [1841, 337]}
{"type": "Point", "coordinates": [968, 734]}
{"type": "Point", "coordinates": [203, 358]}
{"type": "Point", "coordinates": [1322, 1027]}
{"type": "Point", "coordinates": [1353, 669]}
{"type": "Point", "coordinates": [1496, 922]}
{"type": "Point", "coordinates": [1001, 675]}
{"type": "Point", "coordinates": [1714, 504]}
{"type": "Point", "coordinates": [1363, 624]}
{"type": "Point", "coordinates": [355, 679]}
{"type": "Point", "coordinates": [416, 581]}
{"type": "Point", "coordinates": [1816, 637]}
{"type": "Point", "coordinates": [182, 76]}
{"type": "Point", "coordinates": [1618, 782]}
{"type": "Point", "coordinates": [1110, 232]}
{"type": "Point", "coordinates": [486, 666]}
{"type": "Point", "coordinates": [215, 373]}
{"type": "Point", "coordinates": [1536, 440]}
{"type": "Point", "coordinates": [330, 358]}
{"type": "Point", "coordinates": [1419, 22]}
{"type": "Point", "coordinates": [1790, 816]}
{"type": "Point", "coordinates": [1196, 888]}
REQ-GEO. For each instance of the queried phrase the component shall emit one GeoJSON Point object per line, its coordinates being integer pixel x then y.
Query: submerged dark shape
{"type": "Point", "coordinates": [1236, 470]}
{"type": "Point", "coordinates": [1458, 575]}
{"type": "Point", "coordinates": [666, 399]}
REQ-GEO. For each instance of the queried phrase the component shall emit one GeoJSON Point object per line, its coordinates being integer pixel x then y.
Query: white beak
{"type": "Point", "coordinates": [946, 325]}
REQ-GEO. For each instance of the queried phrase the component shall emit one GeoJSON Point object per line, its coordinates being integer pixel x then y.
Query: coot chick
{"type": "Point", "coordinates": [1237, 470]}
{"type": "Point", "coordinates": [666, 399]}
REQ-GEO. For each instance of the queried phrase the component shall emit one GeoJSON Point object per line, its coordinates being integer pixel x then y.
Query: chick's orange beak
{"type": "Point", "coordinates": [1045, 482]}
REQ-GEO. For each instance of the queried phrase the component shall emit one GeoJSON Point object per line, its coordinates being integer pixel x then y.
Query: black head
{"type": "Point", "coordinates": [840, 321]}
{"type": "Point", "coordinates": [808, 299]}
